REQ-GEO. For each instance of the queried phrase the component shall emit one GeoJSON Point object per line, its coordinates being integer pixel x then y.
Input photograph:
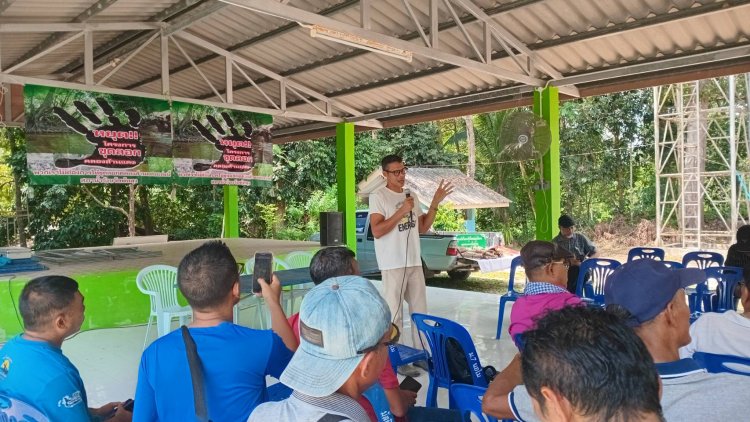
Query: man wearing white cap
{"type": "Point", "coordinates": [345, 328]}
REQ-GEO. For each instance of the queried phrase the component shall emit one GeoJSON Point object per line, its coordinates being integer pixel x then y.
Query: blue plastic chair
{"type": "Point", "coordinates": [673, 264]}
{"type": "Point", "coordinates": [403, 355]}
{"type": "Point", "coordinates": [511, 296]}
{"type": "Point", "coordinates": [645, 253]}
{"type": "Point", "coordinates": [723, 363]}
{"type": "Point", "coordinates": [468, 400]}
{"type": "Point", "coordinates": [727, 279]}
{"type": "Point", "coordinates": [437, 331]}
{"type": "Point", "coordinates": [599, 270]}
{"type": "Point", "coordinates": [377, 398]}
{"type": "Point", "coordinates": [703, 259]}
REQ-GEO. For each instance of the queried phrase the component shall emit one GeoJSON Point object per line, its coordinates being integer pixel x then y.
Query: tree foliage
{"type": "Point", "coordinates": [600, 138]}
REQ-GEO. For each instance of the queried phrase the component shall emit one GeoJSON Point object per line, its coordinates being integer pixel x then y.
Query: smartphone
{"type": "Point", "coordinates": [262, 269]}
{"type": "Point", "coordinates": [128, 405]}
{"type": "Point", "coordinates": [410, 384]}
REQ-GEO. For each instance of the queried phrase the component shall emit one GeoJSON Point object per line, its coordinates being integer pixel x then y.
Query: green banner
{"type": "Point", "coordinates": [221, 146]}
{"type": "Point", "coordinates": [471, 240]}
{"type": "Point", "coordinates": [78, 136]}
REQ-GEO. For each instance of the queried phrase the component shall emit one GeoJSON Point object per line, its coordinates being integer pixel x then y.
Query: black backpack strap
{"type": "Point", "coordinates": [196, 375]}
{"type": "Point", "coordinates": [328, 417]}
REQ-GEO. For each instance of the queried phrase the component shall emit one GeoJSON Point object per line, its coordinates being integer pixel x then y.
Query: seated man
{"type": "Point", "coordinates": [337, 261]}
{"type": "Point", "coordinates": [235, 360]}
{"type": "Point", "coordinates": [726, 333]}
{"type": "Point", "coordinates": [546, 266]}
{"type": "Point", "coordinates": [578, 244]}
{"type": "Point", "coordinates": [585, 364]}
{"type": "Point", "coordinates": [652, 299]}
{"type": "Point", "coordinates": [345, 328]}
{"type": "Point", "coordinates": [34, 369]}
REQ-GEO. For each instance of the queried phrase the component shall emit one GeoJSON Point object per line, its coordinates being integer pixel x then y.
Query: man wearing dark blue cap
{"type": "Point", "coordinates": [652, 299]}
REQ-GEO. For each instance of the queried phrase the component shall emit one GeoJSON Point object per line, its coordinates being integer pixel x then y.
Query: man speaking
{"type": "Point", "coordinates": [396, 224]}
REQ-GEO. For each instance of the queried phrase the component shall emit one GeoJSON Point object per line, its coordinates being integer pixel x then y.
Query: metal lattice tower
{"type": "Point", "coordinates": [701, 161]}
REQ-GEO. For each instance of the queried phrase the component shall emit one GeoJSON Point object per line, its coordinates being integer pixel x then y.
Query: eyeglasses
{"type": "Point", "coordinates": [398, 172]}
{"type": "Point", "coordinates": [565, 264]}
{"type": "Point", "coordinates": [393, 337]}
{"type": "Point", "coordinates": [240, 267]}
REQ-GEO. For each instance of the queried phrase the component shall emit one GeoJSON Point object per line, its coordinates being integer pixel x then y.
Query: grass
{"type": "Point", "coordinates": [495, 282]}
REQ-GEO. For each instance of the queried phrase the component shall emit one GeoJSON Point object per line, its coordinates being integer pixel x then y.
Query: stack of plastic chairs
{"type": "Point", "coordinates": [511, 296]}
{"type": "Point", "coordinates": [254, 303]}
{"type": "Point", "coordinates": [700, 296]}
{"type": "Point", "coordinates": [298, 259]}
{"type": "Point", "coordinates": [727, 279]}
{"type": "Point", "coordinates": [159, 282]}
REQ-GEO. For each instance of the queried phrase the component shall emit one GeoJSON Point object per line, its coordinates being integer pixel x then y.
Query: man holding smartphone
{"type": "Point", "coordinates": [235, 360]}
{"type": "Point", "coordinates": [397, 220]}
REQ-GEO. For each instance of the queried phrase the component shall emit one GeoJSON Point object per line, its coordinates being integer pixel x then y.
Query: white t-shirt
{"type": "Point", "coordinates": [725, 333]}
{"type": "Point", "coordinates": [391, 248]}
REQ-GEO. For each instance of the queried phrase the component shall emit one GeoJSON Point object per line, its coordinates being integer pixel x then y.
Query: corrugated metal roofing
{"type": "Point", "coordinates": [467, 193]}
{"type": "Point", "coordinates": [580, 39]}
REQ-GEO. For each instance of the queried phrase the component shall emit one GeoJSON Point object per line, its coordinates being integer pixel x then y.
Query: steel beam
{"type": "Point", "coordinates": [124, 43]}
{"type": "Point", "coordinates": [4, 5]}
{"type": "Point", "coordinates": [200, 11]}
{"type": "Point", "coordinates": [22, 80]}
{"type": "Point", "coordinates": [266, 72]}
{"type": "Point", "coordinates": [87, 14]}
{"type": "Point", "coordinates": [274, 8]}
{"type": "Point", "coordinates": [597, 33]}
{"type": "Point", "coordinates": [42, 27]}
{"type": "Point", "coordinates": [50, 49]}
{"type": "Point", "coordinates": [341, 57]}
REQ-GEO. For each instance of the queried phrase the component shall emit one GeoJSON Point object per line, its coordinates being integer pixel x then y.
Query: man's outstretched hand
{"type": "Point", "coordinates": [443, 190]}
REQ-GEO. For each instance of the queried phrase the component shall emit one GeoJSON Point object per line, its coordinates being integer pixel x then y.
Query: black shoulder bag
{"type": "Point", "coordinates": [196, 375]}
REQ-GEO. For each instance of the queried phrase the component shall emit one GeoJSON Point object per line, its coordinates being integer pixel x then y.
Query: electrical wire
{"type": "Point", "coordinates": [13, 301]}
{"type": "Point", "coordinates": [403, 279]}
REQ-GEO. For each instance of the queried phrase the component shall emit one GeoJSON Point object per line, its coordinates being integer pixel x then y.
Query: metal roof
{"type": "Point", "coordinates": [467, 55]}
{"type": "Point", "coordinates": [467, 193]}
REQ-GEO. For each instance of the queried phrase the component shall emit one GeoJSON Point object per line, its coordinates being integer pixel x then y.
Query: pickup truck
{"type": "Point", "coordinates": [439, 251]}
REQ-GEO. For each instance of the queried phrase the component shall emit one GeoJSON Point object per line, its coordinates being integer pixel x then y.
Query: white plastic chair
{"type": "Point", "coordinates": [297, 259]}
{"type": "Point", "coordinates": [253, 302]}
{"type": "Point", "coordinates": [160, 283]}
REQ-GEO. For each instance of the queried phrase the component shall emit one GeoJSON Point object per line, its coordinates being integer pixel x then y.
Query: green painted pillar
{"type": "Point", "coordinates": [231, 212]}
{"type": "Point", "coordinates": [547, 195]}
{"type": "Point", "coordinates": [345, 181]}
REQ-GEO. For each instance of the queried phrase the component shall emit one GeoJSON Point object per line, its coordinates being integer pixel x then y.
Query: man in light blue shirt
{"type": "Point", "coordinates": [33, 368]}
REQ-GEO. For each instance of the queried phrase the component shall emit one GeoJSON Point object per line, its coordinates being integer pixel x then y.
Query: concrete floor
{"type": "Point", "coordinates": [108, 358]}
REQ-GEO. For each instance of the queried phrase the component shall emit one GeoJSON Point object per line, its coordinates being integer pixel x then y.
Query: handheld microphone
{"type": "Point", "coordinates": [407, 192]}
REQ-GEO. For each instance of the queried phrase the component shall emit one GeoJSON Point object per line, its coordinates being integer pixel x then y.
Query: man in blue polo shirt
{"type": "Point", "coordinates": [33, 368]}
{"type": "Point", "coordinates": [235, 360]}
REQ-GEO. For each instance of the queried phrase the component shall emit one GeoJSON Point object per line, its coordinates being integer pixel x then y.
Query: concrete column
{"type": "Point", "coordinates": [547, 195]}
{"type": "Point", "coordinates": [347, 200]}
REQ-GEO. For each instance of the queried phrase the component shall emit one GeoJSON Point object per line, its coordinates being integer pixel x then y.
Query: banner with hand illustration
{"type": "Point", "coordinates": [221, 146]}
{"type": "Point", "coordinates": [78, 136]}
